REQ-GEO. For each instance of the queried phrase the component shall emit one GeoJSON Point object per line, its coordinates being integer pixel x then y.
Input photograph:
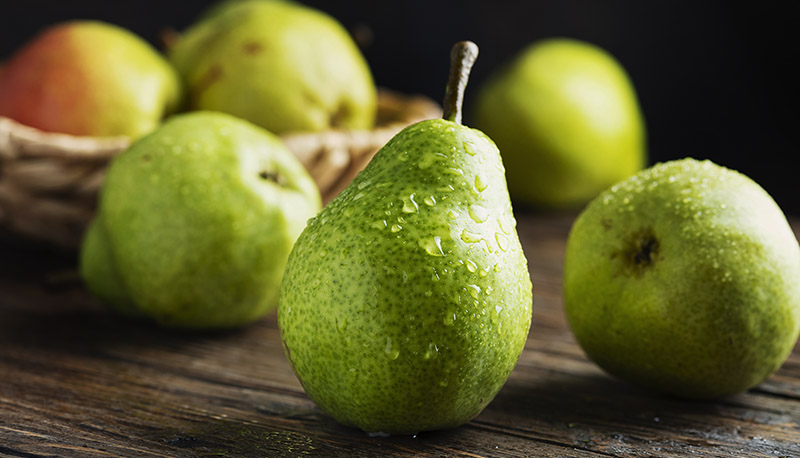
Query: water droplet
{"type": "Point", "coordinates": [448, 188]}
{"type": "Point", "coordinates": [503, 225]}
{"type": "Point", "coordinates": [409, 205]}
{"type": "Point", "coordinates": [358, 196]}
{"type": "Point", "coordinates": [429, 201]}
{"type": "Point", "coordinates": [364, 184]}
{"type": "Point", "coordinates": [468, 148]}
{"type": "Point", "coordinates": [434, 274]}
{"type": "Point", "coordinates": [443, 382]}
{"type": "Point", "coordinates": [502, 241]}
{"type": "Point", "coordinates": [454, 171]}
{"type": "Point", "coordinates": [341, 325]}
{"type": "Point", "coordinates": [426, 161]}
{"type": "Point", "coordinates": [391, 351]}
{"type": "Point", "coordinates": [474, 290]}
{"type": "Point", "coordinates": [405, 277]}
{"type": "Point", "coordinates": [452, 214]}
{"type": "Point", "coordinates": [480, 183]}
{"type": "Point", "coordinates": [470, 237]}
{"type": "Point", "coordinates": [428, 293]}
{"type": "Point", "coordinates": [433, 245]}
{"type": "Point", "coordinates": [498, 268]}
{"type": "Point", "coordinates": [449, 318]}
{"type": "Point", "coordinates": [471, 266]}
{"type": "Point", "coordinates": [396, 228]}
{"type": "Point", "coordinates": [403, 156]}
{"type": "Point", "coordinates": [379, 224]}
{"type": "Point", "coordinates": [431, 352]}
{"type": "Point", "coordinates": [478, 214]}
{"type": "Point", "coordinates": [323, 253]}
{"type": "Point", "coordinates": [498, 309]}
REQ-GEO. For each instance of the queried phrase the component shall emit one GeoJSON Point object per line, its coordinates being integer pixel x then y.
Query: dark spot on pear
{"type": "Point", "coordinates": [640, 251]}
{"type": "Point", "coordinates": [252, 48]}
{"type": "Point", "coordinates": [211, 76]}
{"type": "Point", "coordinates": [274, 176]}
{"type": "Point", "coordinates": [647, 246]}
{"type": "Point", "coordinates": [340, 115]}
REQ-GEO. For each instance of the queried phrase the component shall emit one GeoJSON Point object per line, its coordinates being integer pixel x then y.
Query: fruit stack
{"type": "Point", "coordinates": [80, 92]}
{"type": "Point", "coordinates": [403, 304]}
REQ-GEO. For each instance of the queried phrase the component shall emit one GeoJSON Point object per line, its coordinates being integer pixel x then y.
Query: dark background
{"type": "Point", "coordinates": [715, 79]}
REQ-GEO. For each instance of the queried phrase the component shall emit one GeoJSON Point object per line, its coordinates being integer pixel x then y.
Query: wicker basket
{"type": "Point", "coordinates": [49, 182]}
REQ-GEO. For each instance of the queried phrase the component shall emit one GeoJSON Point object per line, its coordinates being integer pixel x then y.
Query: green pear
{"type": "Point", "coordinates": [566, 119]}
{"type": "Point", "coordinates": [220, 6]}
{"type": "Point", "coordinates": [195, 223]}
{"type": "Point", "coordinates": [281, 65]}
{"type": "Point", "coordinates": [407, 301]}
{"type": "Point", "coordinates": [684, 279]}
{"type": "Point", "coordinates": [89, 78]}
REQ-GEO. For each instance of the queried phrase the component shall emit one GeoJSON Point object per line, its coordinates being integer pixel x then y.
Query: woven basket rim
{"type": "Point", "coordinates": [49, 181]}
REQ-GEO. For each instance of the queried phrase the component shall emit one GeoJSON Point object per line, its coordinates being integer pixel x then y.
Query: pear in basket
{"type": "Point", "coordinates": [281, 65]}
{"type": "Point", "coordinates": [88, 78]}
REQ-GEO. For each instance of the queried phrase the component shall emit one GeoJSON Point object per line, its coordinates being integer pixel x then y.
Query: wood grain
{"type": "Point", "coordinates": [77, 381]}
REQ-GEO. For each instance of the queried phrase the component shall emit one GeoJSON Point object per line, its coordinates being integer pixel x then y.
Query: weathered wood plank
{"type": "Point", "coordinates": [77, 381]}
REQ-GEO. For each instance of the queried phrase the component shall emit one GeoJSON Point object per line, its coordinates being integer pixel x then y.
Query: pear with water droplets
{"type": "Point", "coordinates": [407, 301]}
{"type": "Point", "coordinates": [684, 279]}
{"type": "Point", "coordinates": [195, 223]}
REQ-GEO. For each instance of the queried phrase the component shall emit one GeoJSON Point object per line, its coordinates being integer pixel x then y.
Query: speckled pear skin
{"type": "Point", "coordinates": [407, 301]}
{"type": "Point", "coordinates": [195, 223]}
{"type": "Point", "coordinates": [684, 279]}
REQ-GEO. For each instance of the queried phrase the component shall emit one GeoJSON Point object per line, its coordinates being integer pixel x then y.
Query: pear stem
{"type": "Point", "coordinates": [462, 56]}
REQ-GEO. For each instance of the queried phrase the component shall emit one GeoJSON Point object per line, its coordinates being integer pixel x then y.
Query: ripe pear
{"type": "Point", "coordinates": [567, 121]}
{"type": "Point", "coordinates": [196, 221]}
{"type": "Point", "coordinates": [89, 78]}
{"type": "Point", "coordinates": [684, 279]}
{"type": "Point", "coordinates": [281, 65]}
{"type": "Point", "coordinates": [407, 301]}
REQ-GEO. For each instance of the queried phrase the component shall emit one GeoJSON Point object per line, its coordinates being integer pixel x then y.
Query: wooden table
{"type": "Point", "coordinates": [77, 381]}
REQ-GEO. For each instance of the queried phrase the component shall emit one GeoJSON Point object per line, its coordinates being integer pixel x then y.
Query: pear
{"type": "Point", "coordinates": [407, 301]}
{"type": "Point", "coordinates": [684, 279]}
{"type": "Point", "coordinates": [89, 78]}
{"type": "Point", "coordinates": [195, 223]}
{"type": "Point", "coordinates": [281, 65]}
{"type": "Point", "coordinates": [567, 120]}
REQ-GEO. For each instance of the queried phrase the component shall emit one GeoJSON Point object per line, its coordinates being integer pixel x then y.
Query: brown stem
{"type": "Point", "coordinates": [462, 57]}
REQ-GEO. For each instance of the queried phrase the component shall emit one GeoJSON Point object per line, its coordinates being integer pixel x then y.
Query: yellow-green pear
{"type": "Point", "coordinates": [281, 65]}
{"type": "Point", "coordinates": [196, 221]}
{"type": "Point", "coordinates": [684, 279]}
{"type": "Point", "coordinates": [566, 118]}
